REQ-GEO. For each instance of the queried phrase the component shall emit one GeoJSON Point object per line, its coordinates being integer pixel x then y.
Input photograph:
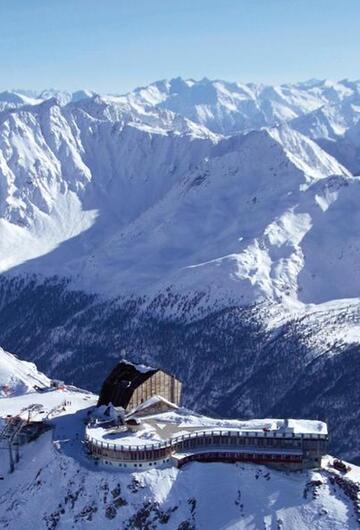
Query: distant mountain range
{"type": "Point", "coordinates": [206, 226]}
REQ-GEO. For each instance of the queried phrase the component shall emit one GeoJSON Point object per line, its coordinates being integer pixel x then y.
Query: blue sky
{"type": "Point", "coordinates": [115, 45]}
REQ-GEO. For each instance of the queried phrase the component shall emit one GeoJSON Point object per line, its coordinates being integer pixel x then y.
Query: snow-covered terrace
{"type": "Point", "coordinates": [166, 429]}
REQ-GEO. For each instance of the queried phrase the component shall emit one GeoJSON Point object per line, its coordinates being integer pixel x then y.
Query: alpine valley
{"type": "Point", "coordinates": [207, 227]}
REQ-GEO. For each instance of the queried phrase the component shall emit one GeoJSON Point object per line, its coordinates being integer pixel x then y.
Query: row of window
{"type": "Point", "coordinates": [151, 454]}
{"type": "Point", "coordinates": [155, 463]}
{"type": "Point", "coordinates": [157, 454]}
{"type": "Point", "coordinates": [242, 457]}
{"type": "Point", "coordinates": [257, 442]}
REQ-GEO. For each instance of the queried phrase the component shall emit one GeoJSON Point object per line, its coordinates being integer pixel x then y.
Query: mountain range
{"type": "Point", "coordinates": [204, 226]}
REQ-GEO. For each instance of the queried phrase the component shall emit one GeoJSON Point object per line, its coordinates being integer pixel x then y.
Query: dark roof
{"type": "Point", "coordinates": [133, 421]}
{"type": "Point", "coordinates": [119, 386]}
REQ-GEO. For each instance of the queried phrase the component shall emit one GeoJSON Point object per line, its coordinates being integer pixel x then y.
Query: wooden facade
{"type": "Point", "coordinates": [129, 385]}
{"type": "Point", "coordinates": [161, 384]}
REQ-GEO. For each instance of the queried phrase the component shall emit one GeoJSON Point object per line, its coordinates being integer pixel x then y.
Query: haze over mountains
{"type": "Point", "coordinates": [207, 226]}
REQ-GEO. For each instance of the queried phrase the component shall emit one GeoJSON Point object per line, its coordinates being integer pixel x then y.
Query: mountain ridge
{"type": "Point", "coordinates": [230, 258]}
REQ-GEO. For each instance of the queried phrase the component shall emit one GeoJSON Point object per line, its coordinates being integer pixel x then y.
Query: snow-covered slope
{"type": "Point", "coordinates": [201, 497]}
{"type": "Point", "coordinates": [56, 485]}
{"type": "Point", "coordinates": [205, 217]}
{"type": "Point", "coordinates": [10, 99]}
{"type": "Point", "coordinates": [323, 110]}
{"type": "Point", "coordinates": [228, 108]}
{"type": "Point", "coordinates": [18, 377]}
{"type": "Point", "coordinates": [336, 129]}
{"type": "Point", "coordinates": [97, 192]}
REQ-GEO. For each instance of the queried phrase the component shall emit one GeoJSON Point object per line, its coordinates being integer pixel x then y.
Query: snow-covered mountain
{"type": "Point", "coordinates": [10, 99]}
{"type": "Point", "coordinates": [96, 195]}
{"type": "Point", "coordinates": [229, 108]}
{"type": "Point", "coordinates": [205, 226]}
{"type": "Point", "coordinates": [201, 497]}
{"type": "Point", "coordinates": [323, 110]}
{"type": "Point", "coordinates": [18, 377]}
{"type": "Point", "coordinates": [56, 485]}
